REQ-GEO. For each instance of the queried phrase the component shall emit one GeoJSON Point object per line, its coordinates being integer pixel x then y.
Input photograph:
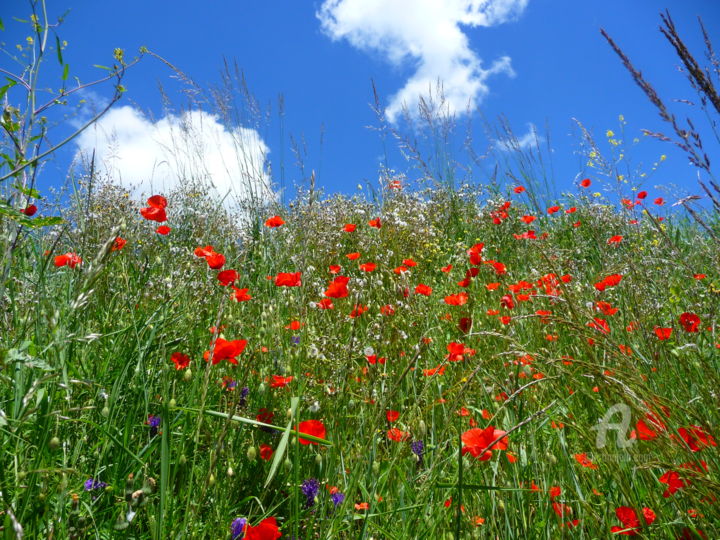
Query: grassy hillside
{"type": "Point", "coordinates": [453, 385]}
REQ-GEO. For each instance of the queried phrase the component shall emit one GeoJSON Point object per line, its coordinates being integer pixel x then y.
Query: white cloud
{"type": "Point", "coordinates": [427, 33]}
{"type": "Point", "coordinates": [150, 157]}
{"type": "Point", "coordinates": [512, 142]}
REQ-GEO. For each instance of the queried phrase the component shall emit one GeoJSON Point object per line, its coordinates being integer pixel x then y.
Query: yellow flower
{"type": "Point", "coordinates": [609, 133]}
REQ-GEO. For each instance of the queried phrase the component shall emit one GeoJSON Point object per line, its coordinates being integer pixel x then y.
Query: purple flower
{"type": "Point", "coordinates": [310, 488]}
{"type": "Point", "coordinates": [337, 498]}
{"type": "Point", "coordinates": [154, 423]}
{"type": "Point", "coordinates": [91, 484]}
{"type": "Point", "coordinates": [296, 340]}
{"type": "Point", "coordinates": [418, 448]}
{"type": "Point", "coordinates": [237, 528]}
{"type": "Point", "coordinates": [244, 392]}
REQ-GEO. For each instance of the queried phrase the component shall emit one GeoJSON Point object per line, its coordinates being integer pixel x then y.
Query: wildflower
{"type": "Point", "coordinates": [358, 310]}
{"type": "Point", "coordinates": [310, 488]}
{"type": "Point", "coordinates": [629, 518]}
{"type": "Point", "coordinates": [585, 461]}
{"type": "Point", "coordinates": [663, 333]}
{"type": "Point", "coordinates": [29, 210]}
{"type": "Point", "coordinates": [337, 498]}
{"type": "Point", "coordinates": [237, 528]}
{"type": "Point", "coordinates": [423, 289]}
{"type": "Point", "coordinates": [642, 194]}
{"type": "Point", "coordinates": [690, 322]}
{"type": "Point", "coordinates": [480, 442]}
{"type": "Point", "coordinates": [281, 382]}
{"type": "Point", "coordinates": [368, 267]}
{"type": "Point", "coordinates": [553, 209]}
{"type": "Point", "coordinates": [240, 295]}
{"type": "Point", "coordinates": [458, 299]}
{"type": "Point", "coordinates": [615, 239]}
{"type": "Point", "coordinates": [349, 227]}
{"type": "Point", "coordinates": [267, 529]}
{"type": "Point", "coordinates": [275, 221]}
{"type": "Point", "coordinates": [392, 416]}
{"type": "Point", "coordinates": [154, 423]}
{"type": "Point", "coordinates": [266, 452]}
{"type": "Point", "coordinates": [163, 230]}
{"type": "Point", "coordinates": [518, 189]}
{"type": "Point", "coordinates": [68, 259]}
{"type": "Point", "coordinates": [226, 350]}
{"type": "Point", "coordinates": [91, 484]}
{"type": "Point", "coordinates": [418, 448]}
{"type": "Point", "coordinates": [226, 277]}
{"type": "Point", "coordinates": [288, 279]}
{"type": "Point", "coordinates": [311, 427]}
{"type": "Point", "coordinates": [180, 360]}
{"type": "Point", "coordinates": [118, 244]}
{"type": "Point", "coordinates": [659, 201]}
{"type": "Point", "coordinates": [397, 435]}
{"type": "Point", "coordinates": [338, 287]}
{"type": "Point", "coordinates": [375, 223]}
{"type": "Point", "coordinates": [155, 210]}
{"type": "Point", "coordinates": [586, 183]}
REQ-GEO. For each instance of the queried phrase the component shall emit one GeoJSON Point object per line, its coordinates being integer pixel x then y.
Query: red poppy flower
{"type": "Point", "coordinates": [288, 279]}
{"type": "Point", "coordinates": [157, 201]}
{"type": "Point", "coordinates": [586, 183]}
{"type": "Point", "coordinates": [438, 370]}
{"type": "Point", "coordinates": [553, 209]}
{"type": "Point", "coordinates": [387, 310]}
{"type": "Point", "coordinates": [409, 263]}
{"type": "Point", "coordinates": [373, 359]}
{"type": "Point", "coordinates": [642, 194]}
{"type": "Point", "coordinates": [423, 289]}
{"type": "Point", "coordinates": [475, 254]}
{"type": "Point", "coordinates": [325, 303]}
{"type": "Point", "coordinates": [118, 244]}
{"type": "Point", "coordinates": [458, 299]}
{"type": "Point", "coordinates": [280, 382]}
{"type": "Point", "coordinates": [528, 219]}
{"type": "Point", "coordinates": [400, 270]}
{"type": "Point", "coordinates": [204, 251]}
{"type": "Point", "coordinates": [518, 189]}
{"type": "Point", "coordinates": [368, 267]}
{"type": "Point", "coordinates": [215, 260]}
{"type": "Point", "coordinates": [609, 281]}
{"type": "Point", "coordinates": [338, 287]}
{"type": "Point", "coordinates": [226, 277]}
{"type": "Point", "coordinates": [585, 461]}
{"type": "Point", "coordinates": [659, 201]}
{"type": "Point", "coordinates": [180, 360]}
{"type": "Point", "coordinates": [349, 227]}
{"type": "Point", "coordinates": [696, 438]}
{"type": "Point", "coordinates": [265, 416]}
{"type": "Point", "coordinates": [481, 442]}
{"type": "Point", "coordinates": [663, 333]}
{"type": "Point", "coordinates": [275, 221]}
{"type": "Point", "coordinates": [240, 295]}
{"type": "Point", "coordinates": [447, 268]}
{"type": "Point", "coordinates": [311, 427]}
{"type": "Point", "coordinates": [294, 325]}
{"type": "Point", "coordinates": [614, 239]}
{"type": "Point", "coordinates": [375, 223]}
{"type": "Point", "coordinates": [163, 229]}
{"type": "Point", "coordinates": [397, 435]}
{"type": "Point", "coordinates": [690, 322]}
{"type": "Point", "coordinates": [334, 269]}
{"type": "Point", "coordinates": [266, 452]}
{"type": "Point", "coordinates": [630, 520]}
{"type": "Point", "coordinates": [68, 259]}
{"type": "Point", "coordinates": [673, 481]}
{"type": "Point", "coordinates": [267, 529]}
{"type": "Point", "coordinates": [154, 213]}
{"type": "Point", "coordinates": [392, 416]}
{"type": "Point", "coordinates": [226, 350]}
{"type": "Point", "coordinates": [29, 211]}
{"type": "Point", "coordinates": [358, 310]}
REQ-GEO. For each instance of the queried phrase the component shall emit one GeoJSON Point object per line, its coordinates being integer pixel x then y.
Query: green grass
{"type": "Point", "coordinates": [86, 359]}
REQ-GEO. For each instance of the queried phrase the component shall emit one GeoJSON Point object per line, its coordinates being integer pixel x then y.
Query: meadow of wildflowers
{"type": "Point", "coordinates": [476, 361]}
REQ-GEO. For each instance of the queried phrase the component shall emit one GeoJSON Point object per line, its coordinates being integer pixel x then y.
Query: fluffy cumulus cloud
{"type": "Point", "coordinates": [429, 34]}
{"type": "Point", "coordinates": [156, 156]}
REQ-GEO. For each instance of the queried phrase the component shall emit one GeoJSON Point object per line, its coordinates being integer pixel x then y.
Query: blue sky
{"type": "Point", "coordinates": [535, 62]}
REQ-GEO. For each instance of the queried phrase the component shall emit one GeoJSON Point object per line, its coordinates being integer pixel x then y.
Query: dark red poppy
{"type": "Point", "coordinates": [29, 210]}
{"type": "Point", "coordinates": [226, 277]}
{"type": "Point", "coordinates": [180, 360]}
{"type": "Point", "coordinates": [690, 322]}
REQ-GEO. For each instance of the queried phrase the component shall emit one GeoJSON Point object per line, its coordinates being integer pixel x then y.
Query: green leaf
{"type": "Point", "coordinates": [58, 47]}
{"type": "Point", "coordinates": [2, 26]}
{"type": "Point", "coordinates": [66, 72]}
{"type": "Point", "coordinates": [8, 86]}
{"type": "Point", "coordinates": [30, 192]}
{"type": "Point", "coordinates": [102, 67]}
{"type": "Point", "coordinates": [48, 221]}
{"type": "Point", "coordinates": [280, 450]}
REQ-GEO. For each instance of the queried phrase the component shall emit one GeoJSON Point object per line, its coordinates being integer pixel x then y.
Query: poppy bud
{"type": "Point", "coordinates": [183, 459]}
{"type": "Point", "coordinates": [289, 413]}
{"type": "Point", "coordinates": [262, 388]}
{"type": "Point", "coordinates": [211, 480]}
{"type": "Point", "coordinates": [318, 459]}
{"type": "Point", "coordinates": [54, 443]}
{"type": "Point", "coordinates": [251, 453]}
{"type": "Point", "coordinates": [287, 464]}
{"type": "Point", "coordinates": [230, 472]}
{"type": "Point", "coordinates": [551, 458]}
{"type": "Point", "coordinates": [422, 428]}
{"type": "Point", "coordinates": [172, 403]}
{"type": "Point", "coordinates": [105, 411]}
{"type": "Point", "coordinates": [187, 375]}
{"type": "Point", "coordinates": [376, 467]}
{"type": "Point", "coordinates": [501, 505]}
